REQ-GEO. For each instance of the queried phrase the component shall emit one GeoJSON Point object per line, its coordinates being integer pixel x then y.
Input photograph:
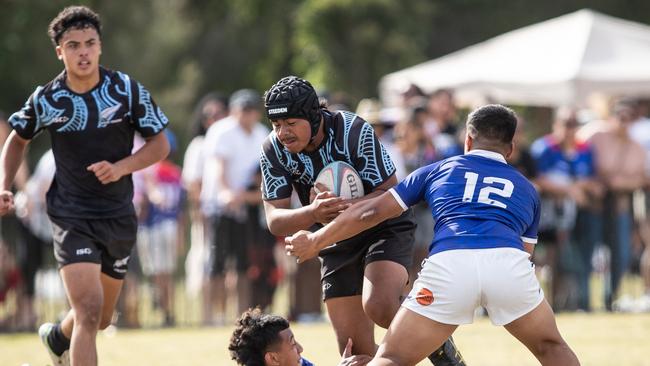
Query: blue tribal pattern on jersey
{"type": "Point", "coordinates": [477, 200]}
{"type": "Point", "coordinates": [348, 138]}
{"type": "Point", "coordinates": [79, 111]}
{"type": "Point", "coordinates": [85, 129]}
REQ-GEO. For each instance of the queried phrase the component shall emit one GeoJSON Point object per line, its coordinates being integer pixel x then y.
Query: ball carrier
{"type": "Point", "coordinates": [362, 279]}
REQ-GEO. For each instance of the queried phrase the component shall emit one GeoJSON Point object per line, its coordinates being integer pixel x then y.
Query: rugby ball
{"type": "Point", "coordinates": [341, 179]}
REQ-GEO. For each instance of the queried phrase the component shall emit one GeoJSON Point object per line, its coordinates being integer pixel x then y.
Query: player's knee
{"type": "Point", "coordinates": [104, 322]}
{"type": "Point", "coordinates": [88, 312]}
{"type": "Point", "coordinates": [549, 347]}
{"type": "Point", "coordinates": [380, 312]}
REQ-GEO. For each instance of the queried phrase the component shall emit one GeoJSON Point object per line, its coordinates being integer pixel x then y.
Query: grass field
{"type": "Point", "coordinates": [598, 339]}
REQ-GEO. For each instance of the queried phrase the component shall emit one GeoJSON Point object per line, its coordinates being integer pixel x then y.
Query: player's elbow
{"type": "Point", "coordinates": [277, 227]}
{"type": "Point", "coordinates": [164, 148]}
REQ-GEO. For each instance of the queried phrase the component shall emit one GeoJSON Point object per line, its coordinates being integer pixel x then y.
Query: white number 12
{"type": "Point", "coordinates": [484, 193]}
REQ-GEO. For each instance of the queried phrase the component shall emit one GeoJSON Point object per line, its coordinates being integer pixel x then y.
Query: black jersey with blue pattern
{"type": "Point", "coordinates": [85, 129]}
{"type": "Point", "coordinates": [347, 138]}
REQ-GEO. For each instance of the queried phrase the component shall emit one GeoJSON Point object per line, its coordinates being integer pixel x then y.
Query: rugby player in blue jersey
{"type": "Point", "coordinates": [486, 216]}
{"type": "Point", "coordinates": [364, 277]}
{"type": "Point", "coordinates": [91, 114]}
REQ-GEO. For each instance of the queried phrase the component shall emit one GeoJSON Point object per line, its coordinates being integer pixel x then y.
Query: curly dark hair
{"type": "Point", "coordinates": [255, 332]}
{"type": "Point", "coordinates": [73, 17]}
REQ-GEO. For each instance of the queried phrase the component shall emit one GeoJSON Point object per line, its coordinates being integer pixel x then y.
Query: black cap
{"type": "Point", "coordinates": [293, 97]}
{"type": "Point", "coordinates": [245, 99]}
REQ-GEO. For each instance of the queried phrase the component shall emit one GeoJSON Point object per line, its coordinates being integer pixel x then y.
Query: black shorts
{"type": "Point", "coordinates": [229, 240]}
{"type": "Point", "coordinates": [342, 266]}
{"type": "Point", "coordinates": [104, 241]}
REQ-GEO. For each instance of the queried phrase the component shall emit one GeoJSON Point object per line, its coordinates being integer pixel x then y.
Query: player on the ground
{"type": "Point", "coordinates": [266, 340]}
{"type": "Point", "coordinates": [486, 216]}
{"type": "Point", "coordinates": [91, 114]}
{"type": "Point", "coordinates": [363, 278]}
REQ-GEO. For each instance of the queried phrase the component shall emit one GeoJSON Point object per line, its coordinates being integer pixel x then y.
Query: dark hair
{"type": "Point", "coordinates": [255, 332]}
{"type": "Point", "coordinates": [198, 117]}
{"type": "Point", "coordinates": [293, 97]}
{"type": "Point", "coordinates": [492, 123]}
{"type": "Point", "coordinates": [73, 17]}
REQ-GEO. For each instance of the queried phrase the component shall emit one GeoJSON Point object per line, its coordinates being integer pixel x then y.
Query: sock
{"type": "Point", "coordinates": [435, 357]}
{"type": "Point", "coordinates": [58, 342]}
{"type": "Point", "coordinates": [446, 355]}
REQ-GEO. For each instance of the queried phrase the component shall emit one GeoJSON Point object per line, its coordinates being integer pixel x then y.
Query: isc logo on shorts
{"type": "Point", "coordinates": [84, 251]}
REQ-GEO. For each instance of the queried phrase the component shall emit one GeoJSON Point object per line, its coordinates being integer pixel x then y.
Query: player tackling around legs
{"type": "Point", "coordinates": [362, 278]}
{"type": "Point", "coordinates": [91, 114]}
{"type": "Point", "coordinates": [486, 216]}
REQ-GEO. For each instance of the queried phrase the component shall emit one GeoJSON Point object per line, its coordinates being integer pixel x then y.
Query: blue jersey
{"type": "Point", "coordinates": [477, 200]}
{"type": "Point", "coordinates": [562, 168]}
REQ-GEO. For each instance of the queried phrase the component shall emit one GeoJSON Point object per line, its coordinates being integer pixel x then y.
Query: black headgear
{"type": "Point", "coordinates": [293, 97]}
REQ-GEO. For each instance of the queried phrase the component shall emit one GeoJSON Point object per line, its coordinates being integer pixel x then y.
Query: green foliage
{"type": "Point", "coordinates": [181, 49]}
{"type": "Point", "coordinates": [347, 45]}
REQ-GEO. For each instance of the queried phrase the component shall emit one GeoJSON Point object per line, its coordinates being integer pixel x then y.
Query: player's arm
{"type": "Point", "coordinates": [155, 148]}
{"type": "Point", "coordinates": [378, 191]}
{"type": "Point", "coordinates": [284, 220]}
{"type": "Point", "coordinates": [10, 160]}
{"type": "Point", "coordinates": [529, 248]}
{"type": "Point", "coordinates": [359, 217]}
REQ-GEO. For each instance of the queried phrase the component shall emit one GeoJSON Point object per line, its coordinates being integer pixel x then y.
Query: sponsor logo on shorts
{"type": "Point", "coordinates": [326, 286]}
{"type": "Point", "coordinates": [84, 251]}
{"type": "Point", "coordinates": [424, 297]}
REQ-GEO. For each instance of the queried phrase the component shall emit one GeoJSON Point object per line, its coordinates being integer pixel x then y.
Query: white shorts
{"type": "Point", "coordinates": [157, 248]}
{"type": "Point", "coordinates": [453, 283]}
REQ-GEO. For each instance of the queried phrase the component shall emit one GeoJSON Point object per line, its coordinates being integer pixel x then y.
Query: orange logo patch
{"type": "Point", "coordinates": [424, 297]}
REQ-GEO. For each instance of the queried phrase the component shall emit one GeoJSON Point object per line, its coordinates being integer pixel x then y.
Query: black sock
{"type": "Point", "coordinates": [435, 356]}
{"type": "Point", "coordinates": [446, 355]}
{"type": "Point", "coordinates": [58, 341]}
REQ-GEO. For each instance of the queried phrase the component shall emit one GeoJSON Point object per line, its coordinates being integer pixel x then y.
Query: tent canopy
{"type": "Point", "coordinates": [556, 62]}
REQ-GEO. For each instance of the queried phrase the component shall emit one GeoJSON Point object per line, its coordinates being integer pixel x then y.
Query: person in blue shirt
{"type": "Point", "coordinates": [570, 201]}
{"type": "Point", "coordinates": [486, 216]}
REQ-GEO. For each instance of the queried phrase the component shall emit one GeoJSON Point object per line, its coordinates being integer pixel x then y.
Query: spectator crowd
{"type": "Point", "coordinates": [202, 229]}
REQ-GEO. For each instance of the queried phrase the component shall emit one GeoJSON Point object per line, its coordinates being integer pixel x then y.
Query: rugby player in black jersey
{"type": "Point", "coordinates": [91, 114]}
{"type": "Point", "coordinates": [362, 280]}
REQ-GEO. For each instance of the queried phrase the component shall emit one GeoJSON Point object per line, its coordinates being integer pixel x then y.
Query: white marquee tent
{"type": "Point", "coordinates": [556, 62]}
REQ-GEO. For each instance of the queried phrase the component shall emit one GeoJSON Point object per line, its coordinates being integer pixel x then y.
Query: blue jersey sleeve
{"type": "Point", "coordinates": [368, 156]}
{"type": "Point", "coordinates": [276, 181]}
{"type": "Point", "coordinates": [26, 121]}
{"type": "Point", "coordinates": [587, 157]}
{"type": "Point", "coordinates": [530, 235]}
{"type": "Point", "coordinates": [413, 188]}
{"type": "Point", "coordinates": [147, 117]}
